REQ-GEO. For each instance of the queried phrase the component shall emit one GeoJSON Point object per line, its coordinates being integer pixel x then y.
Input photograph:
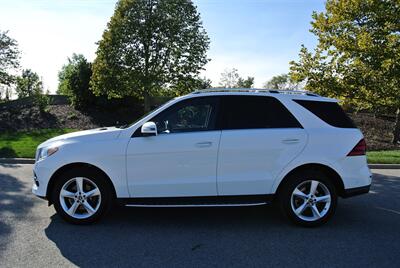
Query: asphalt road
{"type": "Point", "coordinates": [364, 232]}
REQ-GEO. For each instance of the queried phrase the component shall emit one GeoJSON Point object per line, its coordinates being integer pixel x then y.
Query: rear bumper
{"type": "Point", "coordinates": [356, 191]}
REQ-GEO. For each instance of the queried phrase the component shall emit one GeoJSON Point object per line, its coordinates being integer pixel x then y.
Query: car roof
{"type": "Point", "coordinates": [288, 94]}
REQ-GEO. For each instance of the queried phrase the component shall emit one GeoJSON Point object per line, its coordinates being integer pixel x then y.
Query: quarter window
{"type": "Point", "coordinates": [329, 112]}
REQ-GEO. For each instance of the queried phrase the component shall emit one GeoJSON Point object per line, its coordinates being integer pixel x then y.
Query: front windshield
{"type": "Point", "coordinates": [146, 114]}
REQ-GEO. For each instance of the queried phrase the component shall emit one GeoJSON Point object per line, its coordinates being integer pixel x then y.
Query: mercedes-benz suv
{"type": "Point", "coordinates": [215, 147]}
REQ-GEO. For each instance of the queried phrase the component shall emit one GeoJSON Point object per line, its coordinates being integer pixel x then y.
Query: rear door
{"type": "Point", "coordinates": [259, 138]}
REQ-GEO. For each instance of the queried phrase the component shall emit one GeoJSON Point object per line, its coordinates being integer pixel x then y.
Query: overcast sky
{"type": "Point", "coordinates": [257, 37]}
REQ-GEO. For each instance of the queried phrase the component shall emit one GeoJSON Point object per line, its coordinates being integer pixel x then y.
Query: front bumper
{"type": "Point", "coordinates": [41, 177]}
{"type": "Point", "coordinates": [356, 191]}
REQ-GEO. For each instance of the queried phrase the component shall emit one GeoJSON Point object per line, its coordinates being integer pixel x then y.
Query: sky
{"type": "Point", "coordinates": [257, 37]}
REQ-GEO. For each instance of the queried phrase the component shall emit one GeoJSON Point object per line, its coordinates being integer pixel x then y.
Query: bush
{"type": "Point", "coordinates": [42, 102]}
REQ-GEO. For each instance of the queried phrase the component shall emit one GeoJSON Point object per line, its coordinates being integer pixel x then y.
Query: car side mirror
{"type": "Point", "coordinates": [149, 129]}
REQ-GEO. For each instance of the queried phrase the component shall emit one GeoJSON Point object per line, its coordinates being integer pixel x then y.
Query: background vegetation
{"type": "Point", "coordinates": [154, 50]}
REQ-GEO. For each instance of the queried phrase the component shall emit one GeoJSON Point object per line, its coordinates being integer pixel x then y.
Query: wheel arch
{"type": "Point", "coordinates": [330, 172]}
{"type": "Point", "coordinates": [66, 167]}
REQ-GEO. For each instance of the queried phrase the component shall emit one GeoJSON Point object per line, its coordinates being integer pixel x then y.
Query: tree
{"type": "Point", "coordinates": [28, 84]}
{"type": "Point", "coordinates": [9, 60]}
{"type": "Point", "coordinates": [148, 45]}
{"type": "Point", "coordinates": [245, 83]}
{"type": "Point", "coordinates": [230, 78]}
{"type": "Point", "coordinates": [357, 58]}
{"type": "Point", "coordinates": [74, 79]}
{"type": "Point", "coordinates": [204, 83]}
{"type": "Point", "coordinates": [283, 82]}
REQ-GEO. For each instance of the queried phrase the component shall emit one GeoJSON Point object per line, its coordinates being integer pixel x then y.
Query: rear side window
{"type": "Point", "coordinates": [330, 112]}
{"type": "Point", "coordinates": [251, 112]}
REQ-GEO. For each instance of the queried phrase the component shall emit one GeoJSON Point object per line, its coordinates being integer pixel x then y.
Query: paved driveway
{"type": "Point", "coordinates": [364, 232]}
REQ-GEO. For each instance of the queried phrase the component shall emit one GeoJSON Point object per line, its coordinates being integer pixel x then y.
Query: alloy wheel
{"type": "Point", "coordinates": [80, 198]}
{"type": "Point", "coordinates": [311, 200]}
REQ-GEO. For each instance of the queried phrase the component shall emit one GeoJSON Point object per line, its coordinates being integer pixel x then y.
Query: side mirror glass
{"type": "Point", "coordinates": [149, 129]}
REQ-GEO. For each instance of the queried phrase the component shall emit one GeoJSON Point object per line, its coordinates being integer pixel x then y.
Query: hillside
{"type": "Point", "coordinates": [21, 115]}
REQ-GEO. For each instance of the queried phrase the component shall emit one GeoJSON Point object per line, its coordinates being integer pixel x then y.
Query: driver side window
{"type": "Point", "coordinates": [197, 114]}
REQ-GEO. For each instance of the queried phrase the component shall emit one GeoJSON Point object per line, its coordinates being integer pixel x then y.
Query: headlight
{"type": "Point", "coordinates": [46, 152]}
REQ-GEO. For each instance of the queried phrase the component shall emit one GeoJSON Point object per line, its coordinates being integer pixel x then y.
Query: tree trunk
{"type": "Point", "coordinates": [396, 131]}
{"type": "Point", "coordinates": [147, 104]}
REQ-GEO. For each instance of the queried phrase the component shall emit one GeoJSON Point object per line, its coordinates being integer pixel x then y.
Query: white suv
{"type": "Point", "coordinates": [216, 147]}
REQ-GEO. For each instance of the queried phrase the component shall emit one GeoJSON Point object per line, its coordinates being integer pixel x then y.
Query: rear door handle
{"type": "Point", "coordinates": [290, 141]}
{"type": "Point", "coordinates": [204, 144]}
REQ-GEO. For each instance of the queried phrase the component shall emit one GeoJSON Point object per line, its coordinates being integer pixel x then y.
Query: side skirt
{"type": "Point", "coordinates": [197, 201]}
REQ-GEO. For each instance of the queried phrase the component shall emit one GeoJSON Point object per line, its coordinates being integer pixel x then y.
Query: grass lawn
{"type": "Point", "coordinates": [23, 144]}
{"type": "Point", "coordinates": [384, 157]}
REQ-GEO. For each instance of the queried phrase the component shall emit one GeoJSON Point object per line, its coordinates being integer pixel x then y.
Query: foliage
{"type": "Point", "coordinates": [358, 55]}
{"type": "Point", "coordinates": [42, 101]}
{"type": "Point", "coordinates": [186, 86]}
{"type": "Point", "coordinates": [9, 60]}
{"type": "Point", "coordinates": [149, 45]}
{"type": "Point", "coordinates": [24, 143]}
{"type": "Point", "coordinates": [74, 79]}
{"type": "Point", "coordinates": [230, 78]}
{"type": "Point", "coordinates": [245, 83]}
{"type": "Point", "coordinates": [283, 82]}
{"type": "Point", "coordinates": [28, 84]}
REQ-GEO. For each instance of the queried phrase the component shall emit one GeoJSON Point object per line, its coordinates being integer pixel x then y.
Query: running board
{"type": "Point", "coordinates": [202, 201]}
{"type": "Point", "coordinates": [195, 205]}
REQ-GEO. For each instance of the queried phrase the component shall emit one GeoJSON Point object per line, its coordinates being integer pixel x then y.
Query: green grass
{"type": "Point", "coordinates": [384, 157]}
{"type": "Point", "coordinates": [23, 144]}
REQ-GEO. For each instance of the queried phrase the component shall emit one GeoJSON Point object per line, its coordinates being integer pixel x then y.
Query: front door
{"type": "Point", "coordinates": [182, 159]}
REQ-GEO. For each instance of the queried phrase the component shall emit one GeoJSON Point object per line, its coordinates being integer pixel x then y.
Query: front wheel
{"type": "Point", "coordinates": [81, 196]}
{"type": "Point", "coordinates": [308, 198]}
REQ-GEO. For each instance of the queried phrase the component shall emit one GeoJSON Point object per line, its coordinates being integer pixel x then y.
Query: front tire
{"type": "Point", "coordinates": [81, 196]}
{"type": "Point", "coordinates": [308, 198]}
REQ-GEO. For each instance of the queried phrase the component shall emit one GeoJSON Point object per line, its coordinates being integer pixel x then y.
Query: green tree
{"type": "Point", "coordinates": [283, 82]}
{"type": "Point", "coordinates": [9, 60]}
{"type": "Point", "coordinates": [357, 58]}
{"type": "Point", "coordinates": [186, 86]}
{"type": "Point", "coordinates": [28, 84]}
{"type": "Point", "coordinates": [245, 83]}
{"type": "Point", "coordinates": [149, 45]}
{"type": "Point", "coordinates": [73, 81]}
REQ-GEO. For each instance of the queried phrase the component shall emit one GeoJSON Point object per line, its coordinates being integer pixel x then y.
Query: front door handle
{"type": "Point", "coordinates": [204, 144]}
{"type": "Point", "coordinates": [290, 141]}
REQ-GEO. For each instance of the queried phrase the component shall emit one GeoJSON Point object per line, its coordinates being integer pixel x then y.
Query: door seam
{"type": "Point", "coordinates": [216, 167]}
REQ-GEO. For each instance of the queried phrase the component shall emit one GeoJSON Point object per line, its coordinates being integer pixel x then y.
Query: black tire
{"type": "Point", "coordinates": [94, 176]}
{"type": "Point", "coordinates": [303, 179]}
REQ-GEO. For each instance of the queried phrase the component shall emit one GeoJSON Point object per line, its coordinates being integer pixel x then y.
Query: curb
{"type": "Point", "coordinates": [17, 161]}
{"type": "Point", "coordinates": [32, 161]}
{"type": "Point", "coordinates": [384, 166]}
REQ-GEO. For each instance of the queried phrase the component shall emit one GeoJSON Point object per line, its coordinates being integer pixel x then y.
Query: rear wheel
{"type": "Point", "coordinates": [81, 196]}
{"type": "Point", "coordinates": [308, 198]}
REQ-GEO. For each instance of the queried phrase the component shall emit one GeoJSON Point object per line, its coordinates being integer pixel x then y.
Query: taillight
{"type": "Point", "coordinates": [359, 149]}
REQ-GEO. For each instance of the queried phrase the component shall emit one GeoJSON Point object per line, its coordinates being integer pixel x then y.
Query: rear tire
{"type": "Point", "coordinates": [82, 195]}
{"type": "Point", "coordinates": [308, 198]}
